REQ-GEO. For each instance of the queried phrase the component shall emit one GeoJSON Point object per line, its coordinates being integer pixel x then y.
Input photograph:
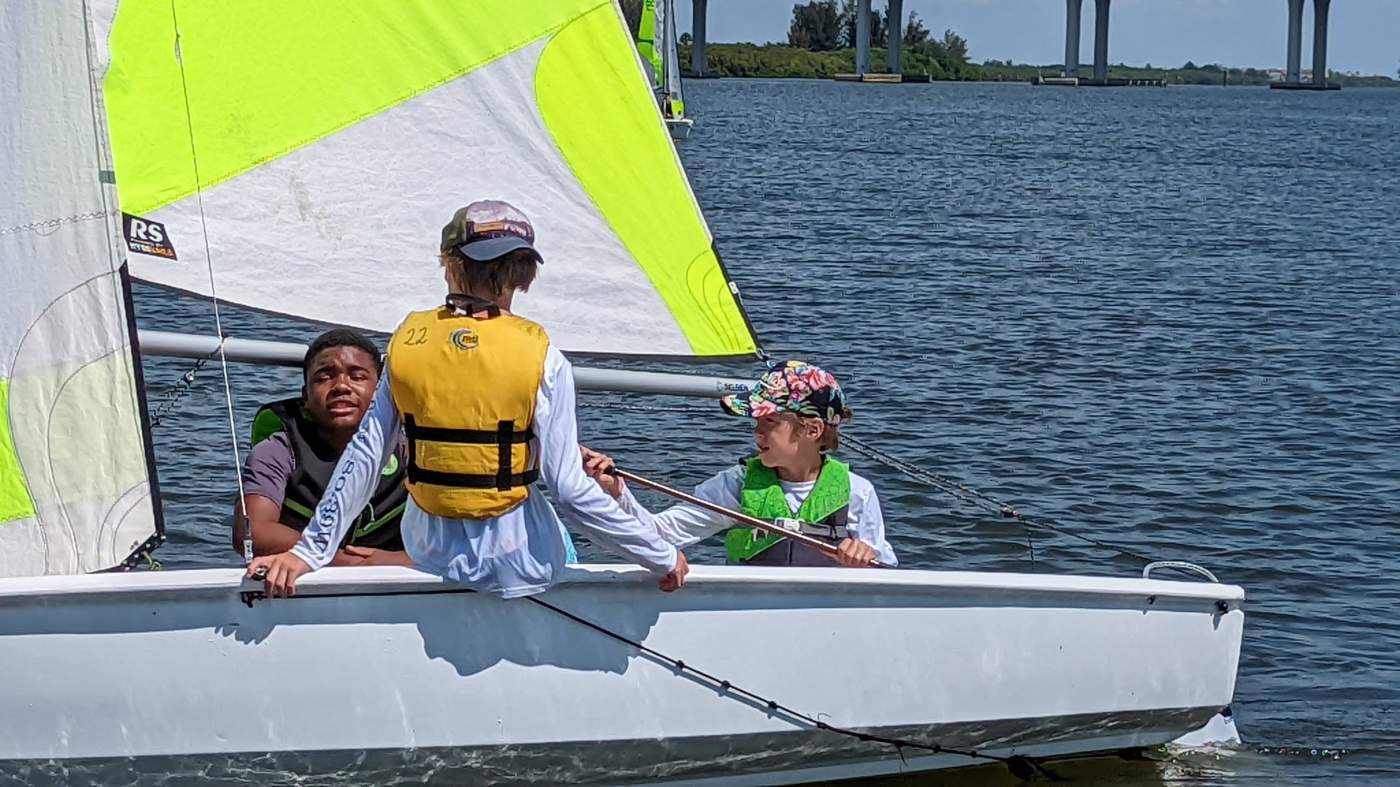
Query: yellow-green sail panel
{"type": "Point", "coordinates": [15, 502]}
{"type": "Point", "coordinates": [615, 144]}
{"type": "Point", "coordinates": [265, 79]}
{"type": "Point", "coordinates": [334, 139]}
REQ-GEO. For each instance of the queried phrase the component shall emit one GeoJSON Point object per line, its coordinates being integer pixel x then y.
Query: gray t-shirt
{"type": "Point", "coordinates": [269, 466]}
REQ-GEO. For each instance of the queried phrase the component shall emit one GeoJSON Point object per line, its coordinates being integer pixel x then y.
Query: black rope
{"type": "Point", "coordinates": [946, 485]}
{"type": "Point", "coordinates": [172, 396]}
{"type": "Point", "coordinates": [1019, 765]}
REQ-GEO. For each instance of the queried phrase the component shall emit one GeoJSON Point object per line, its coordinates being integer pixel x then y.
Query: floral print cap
{"type": "Point", "coordinates": [795, 387]}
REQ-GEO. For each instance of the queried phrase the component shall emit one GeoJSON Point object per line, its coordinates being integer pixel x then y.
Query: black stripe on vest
{"type": "Point", "coordinates": [504, 437]}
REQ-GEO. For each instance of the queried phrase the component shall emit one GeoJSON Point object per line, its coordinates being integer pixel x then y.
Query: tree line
{"type": "Point", "coordinates": [822, 26]}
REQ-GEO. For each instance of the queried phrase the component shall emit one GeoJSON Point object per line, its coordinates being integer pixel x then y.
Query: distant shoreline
{"type": "Point", "coordinates": [780, 61]}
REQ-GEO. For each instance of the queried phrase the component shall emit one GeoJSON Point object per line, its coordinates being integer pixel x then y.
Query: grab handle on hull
{"type": "Point", "coordinates": [1178, 564]}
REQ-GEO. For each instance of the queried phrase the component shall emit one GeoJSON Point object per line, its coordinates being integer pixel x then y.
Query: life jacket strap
{"type": "Point", "coordinates": [504, 437]}
{"type": "Point", "coordinates": [833, 528]}
{"type": "Point", "coordinates": [439, 434]}
{"type": "Point", "coordinates": [419, 475]}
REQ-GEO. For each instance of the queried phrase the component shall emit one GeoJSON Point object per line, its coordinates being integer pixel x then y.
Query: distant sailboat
{"type": "Point", "coordinates": [656, 41]}
{"type": "Point", "coordinates": [304, 157]}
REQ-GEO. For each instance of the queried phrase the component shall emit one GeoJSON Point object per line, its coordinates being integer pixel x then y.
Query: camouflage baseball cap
{"type": "Point", "coordinates": [795, 387]}
{"type": "Point", "coordinates": [488, 229]}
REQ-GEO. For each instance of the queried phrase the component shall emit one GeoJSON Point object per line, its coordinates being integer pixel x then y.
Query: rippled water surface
{"type": "Point", "coordinates": [1169, 318]}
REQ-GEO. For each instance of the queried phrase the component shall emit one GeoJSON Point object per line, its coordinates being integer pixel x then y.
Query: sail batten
{"type": "Point", "coordinates": [334, 141]}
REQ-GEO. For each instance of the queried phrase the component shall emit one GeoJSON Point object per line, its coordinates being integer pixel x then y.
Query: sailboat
{"type": "Point", "coordinates": [656, 42]}
{"type": "Point", "coordinates": [299, 161]}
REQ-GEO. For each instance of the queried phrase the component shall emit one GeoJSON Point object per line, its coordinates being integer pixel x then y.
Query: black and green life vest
{"type": "Point", "coordinates": [377, 526]}
{"type": "Point", "coordinates": [823, 515]}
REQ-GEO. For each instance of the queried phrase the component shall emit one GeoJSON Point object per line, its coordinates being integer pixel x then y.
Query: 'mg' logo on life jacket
{"type": "Point", "coordinates": [465, 339]}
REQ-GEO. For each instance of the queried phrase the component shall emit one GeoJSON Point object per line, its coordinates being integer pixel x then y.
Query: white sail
{"type": "Point", "coordinates": [75, 484]}
{"type": "Point", "coordinates": [319, 148]}
{"type": "Point", "coordinates": [671, 59]}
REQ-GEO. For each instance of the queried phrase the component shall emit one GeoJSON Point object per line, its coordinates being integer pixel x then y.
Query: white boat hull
{"type": "Point", "coordinates": [172, 671]}
{"type": "Point", "coordinates": [679, 127]}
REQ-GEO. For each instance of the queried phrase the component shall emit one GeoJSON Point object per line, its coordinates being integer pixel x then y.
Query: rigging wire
{"type": "Point", "coordinates": [1020, 766]}
{"type": "Point", "coordinates": [942, 483]}
{"type": "Point", "coordinates": [213, 291]}
{"type": "Point", "coordinates": [181, 388]}
{"type": "Point", "coordinates": [974, 497]}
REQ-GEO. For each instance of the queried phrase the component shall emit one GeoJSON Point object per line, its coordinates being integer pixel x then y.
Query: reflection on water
{"type": "Point", "coordinates": [447, 768]}
{"type": "Point", "coordinates": [1164, 767]}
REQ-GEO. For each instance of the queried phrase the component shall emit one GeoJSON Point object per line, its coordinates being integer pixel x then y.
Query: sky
{"type": "Point", "coordinates": [1364, 35]}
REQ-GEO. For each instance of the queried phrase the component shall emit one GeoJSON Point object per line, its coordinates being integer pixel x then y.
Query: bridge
{"type": "Point", "coordinates": [1073, 15]}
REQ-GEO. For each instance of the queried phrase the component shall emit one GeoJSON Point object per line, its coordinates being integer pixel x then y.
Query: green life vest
{"type": "Point", "coordinates": [821, 514]}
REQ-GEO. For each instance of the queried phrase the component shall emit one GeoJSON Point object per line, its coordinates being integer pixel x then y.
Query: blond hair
{"type": "Point", "coordinates": [830, 438]}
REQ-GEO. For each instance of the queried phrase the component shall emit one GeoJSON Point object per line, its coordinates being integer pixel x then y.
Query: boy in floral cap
{"type": "Point", "coordinates": [793, 480]}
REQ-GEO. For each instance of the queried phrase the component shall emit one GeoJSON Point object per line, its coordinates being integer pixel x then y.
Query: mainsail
{"type": "Point", "coordinates": [76, 488]}
{"type": "Point", "coordinates": [318, 147]}
{"type": "Point", "coordinates": [671, 59]}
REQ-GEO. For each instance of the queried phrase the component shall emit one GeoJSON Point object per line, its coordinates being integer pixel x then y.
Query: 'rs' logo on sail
{"type": "Point", "coordinates": [144, 236]}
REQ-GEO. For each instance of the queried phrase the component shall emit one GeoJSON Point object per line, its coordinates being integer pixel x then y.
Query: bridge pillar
{"type": "Point", "coordinates": [697, 37]}
{"type": "Point", "coordinates": [1320, 8]}
{"type": "Point", "coordinates": [1101, 39]}
{"type": "Point", "coordinates": [862, 37]}
{"type": "Point", "coordinates": [1073, 13]}
{"type": "Point", "coordinates": [1295, 41]}
{"type": "Point", "coordinates": [896, 14]}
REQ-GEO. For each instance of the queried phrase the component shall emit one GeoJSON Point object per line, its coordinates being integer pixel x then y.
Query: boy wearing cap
{"type": "Point", "coordinates": [486, 404]}
{"type": "Point", "coordinates": [797, 410]}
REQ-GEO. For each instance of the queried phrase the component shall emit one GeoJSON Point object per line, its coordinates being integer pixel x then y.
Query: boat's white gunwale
{"type": "Point", "coordinates": [391, 579]}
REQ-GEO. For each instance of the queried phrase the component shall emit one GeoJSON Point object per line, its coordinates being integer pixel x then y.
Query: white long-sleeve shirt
{"type": "Point", "coordinates": [515, 554]}
{"type": "Point", "coordinates": [685, 524]}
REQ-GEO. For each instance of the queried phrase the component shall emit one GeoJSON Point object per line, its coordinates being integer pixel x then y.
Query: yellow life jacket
{"type": "Point", "coordinates": [465, 388]}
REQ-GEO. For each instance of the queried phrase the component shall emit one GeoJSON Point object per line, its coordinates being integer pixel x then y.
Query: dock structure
{"type": "Point", "coordinates": [862, 37]}
{"type": "Point", "coordinates": [895, 40]}
{"type": "Point", "coordinates": [1090, 82]}
{"type": "Point", "coordinates": [881, 79]}
{"type": "Point", "coordinates": [1073, 12]}
{"type": "Point", "coordinates": [1101, 41]}
{"type": "Point", "coordinates": [1073, 17]}
{"type": "Point", "coordinates": [698, 11]}
{"type": "Point", "coordinates": [894, 44]}
{"type": "Point", "coordinates": [1293, 72]}
{"type": "Point", "coordinates": [1293, 76]}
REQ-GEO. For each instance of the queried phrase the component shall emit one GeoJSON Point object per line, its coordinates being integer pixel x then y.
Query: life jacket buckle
{"type": "Point", "coordinates": [789, 524]}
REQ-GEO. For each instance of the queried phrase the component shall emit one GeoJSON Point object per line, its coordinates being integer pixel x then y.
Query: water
{"type": "Point", "coordinates": [1167, 317]}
